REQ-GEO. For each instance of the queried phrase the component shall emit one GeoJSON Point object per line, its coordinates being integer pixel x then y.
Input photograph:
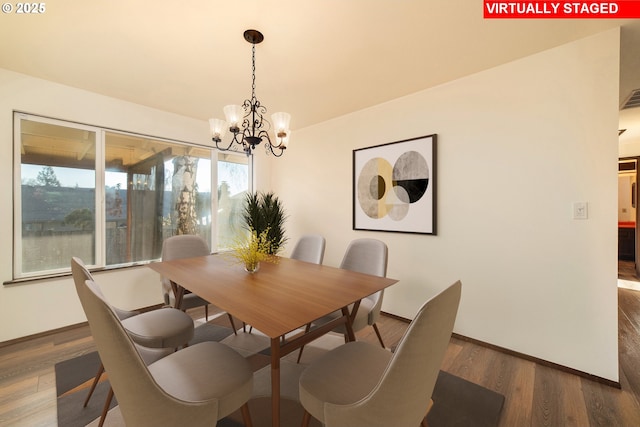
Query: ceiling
{"type": "Point", "coordinates": [319, 59]}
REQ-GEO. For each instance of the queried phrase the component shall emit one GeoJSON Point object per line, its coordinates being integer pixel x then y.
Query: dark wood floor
{"type": "Point", "coordinates": [536, 395]}
{"type": "Point", "coordinates": [627, 271]}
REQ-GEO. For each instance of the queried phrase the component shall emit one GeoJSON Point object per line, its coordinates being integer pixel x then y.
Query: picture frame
{"type": "Point", "coordinates": [394, 186]}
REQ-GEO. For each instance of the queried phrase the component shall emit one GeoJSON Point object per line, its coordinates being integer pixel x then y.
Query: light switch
{"type": "Point", "coordinates": [580, 210]}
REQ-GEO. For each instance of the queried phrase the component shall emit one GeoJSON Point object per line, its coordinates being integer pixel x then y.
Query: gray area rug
{"type": "Point", "coordinates": [458, 402]}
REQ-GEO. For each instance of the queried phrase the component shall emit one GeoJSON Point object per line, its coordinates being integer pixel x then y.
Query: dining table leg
{"type": "Point", "coordinates": [351, 336]}
{"type": "Point", "coordinates": [275, 382]}
{"type": "Point", "coordinates": [178, 293]}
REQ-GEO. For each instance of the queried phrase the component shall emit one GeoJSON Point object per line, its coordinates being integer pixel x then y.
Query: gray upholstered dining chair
{"type": "Point", "coordinates": [186, 246]}
{"type": "Point", "coordinates": [361, 385]}
{"type": "Point", "coordinates": [369, 256]}
{"type": "Point", "coordinates": [195, 386]}
{"type": "Point", "coordinates": [156, 333]}
{"type": "Point", "coordinates": [309, 248]}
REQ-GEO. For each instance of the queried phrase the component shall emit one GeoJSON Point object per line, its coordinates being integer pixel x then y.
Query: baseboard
{"type": "Point", "coordinates": [393, 316]}
{"type": "Point", "coordinates": [62, 329]}
{"type": "Point", "coordinates": [42, 334]}
{"type": "Point", "coordinates": [601, 380]}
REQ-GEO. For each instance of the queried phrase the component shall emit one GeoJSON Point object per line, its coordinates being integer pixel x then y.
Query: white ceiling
{"type": "Point", "coordinates": [320, 59]}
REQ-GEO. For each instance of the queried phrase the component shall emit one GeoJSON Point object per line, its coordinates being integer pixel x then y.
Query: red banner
{"type": "Point", "coordinates": [621, 9]}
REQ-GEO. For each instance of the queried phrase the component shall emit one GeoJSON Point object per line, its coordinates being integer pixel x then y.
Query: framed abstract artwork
{"type": "Point", "coordinates": [394, 186]}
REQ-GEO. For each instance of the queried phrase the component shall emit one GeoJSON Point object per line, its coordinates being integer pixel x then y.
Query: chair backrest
{"type": "Point", "coordinates": [178, 247]}
{"type": "Point", "coordinates": [309, 248]}
{"type": "Point", "coordinates": [369, 256]}
{"type": "Point", "coordinates": [402, 395]}
{"type": "Point", "coordinates": [81, 274]}
{"type": "Point", "coordinates": [142, 402]}
{"type": "Point", "coordinates": [184, 246]}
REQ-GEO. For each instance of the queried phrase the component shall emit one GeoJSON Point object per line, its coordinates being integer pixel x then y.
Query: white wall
{"type": "Point", "coordinates": [33, 307]}
{"type": "Point", "coordinates": [629, 149]}
{"type": "Point", "coordinates": [517, 145]}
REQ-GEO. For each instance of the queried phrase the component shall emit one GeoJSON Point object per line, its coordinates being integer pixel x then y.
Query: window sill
{"type": "Point", "coordinates": [46, 277]}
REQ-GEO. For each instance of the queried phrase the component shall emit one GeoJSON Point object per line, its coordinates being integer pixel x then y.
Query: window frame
{"type": "Point", "coordinates": [100, 205]}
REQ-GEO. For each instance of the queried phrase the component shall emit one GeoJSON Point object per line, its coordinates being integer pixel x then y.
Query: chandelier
{"type": "Point", "coordinates": [247, 122]}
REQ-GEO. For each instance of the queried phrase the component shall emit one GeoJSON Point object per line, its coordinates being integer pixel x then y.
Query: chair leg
{"type": "Point", "coordinates": [95, 383]}
{"type": "Point", "coordinates": [206, 313]}
{"type": "Point", "coordinates": [233, 325]}
{"type": "Point", "coordinates": [244, 328]}
{"type": "Point", "coordinates": [246, 415]}
{"type": "Point", "coordinates": [105, 409]}
{"type": "Point", "coordinates": [306, 331]}
{"type": "Point", "coordinates": [306, 418]}
{"type": "Point", "coordinates": [375, 328]}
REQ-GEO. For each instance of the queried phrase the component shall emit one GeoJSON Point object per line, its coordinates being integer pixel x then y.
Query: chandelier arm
{"type": "Point", "coordinates": [272, 150]}
{"type": "Point", "coordinates": [270, 147]}
{"type": "Point", "coordinates": [229, 147]}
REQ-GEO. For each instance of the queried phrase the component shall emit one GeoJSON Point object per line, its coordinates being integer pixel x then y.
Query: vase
{"type": "Point", "coordinates": [252, 268]}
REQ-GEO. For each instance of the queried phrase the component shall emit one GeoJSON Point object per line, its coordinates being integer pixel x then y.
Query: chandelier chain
{"type": "Point", "coordinates": [253, 71]}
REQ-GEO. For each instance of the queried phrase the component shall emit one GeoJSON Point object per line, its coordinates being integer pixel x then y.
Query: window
{"type": "Point", "coordinates": [233, 185]}
{"type": "Point", "coordinates": [111, 198]}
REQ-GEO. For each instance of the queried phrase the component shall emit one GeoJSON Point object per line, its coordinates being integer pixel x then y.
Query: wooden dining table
{"type": "Point", "coordinates": [280, 298]}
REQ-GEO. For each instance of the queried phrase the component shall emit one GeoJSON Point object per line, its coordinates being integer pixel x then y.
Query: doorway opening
{"type": "Point", "coordinates": [628, 251]}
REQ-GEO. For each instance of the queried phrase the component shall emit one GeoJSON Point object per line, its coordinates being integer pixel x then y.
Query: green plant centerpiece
{"type": "Point", "coordinates": [264, 219]}
{"type": "Point", "coordinates": [263, 212]}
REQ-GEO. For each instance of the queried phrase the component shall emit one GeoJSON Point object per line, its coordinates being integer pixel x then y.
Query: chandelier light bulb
{"type": "Point", "coordinates": [281, 123]}
{"type": "Point", "coordinates": [233, 114]}
{"type": "Point", "coordinates": [218, 129]}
